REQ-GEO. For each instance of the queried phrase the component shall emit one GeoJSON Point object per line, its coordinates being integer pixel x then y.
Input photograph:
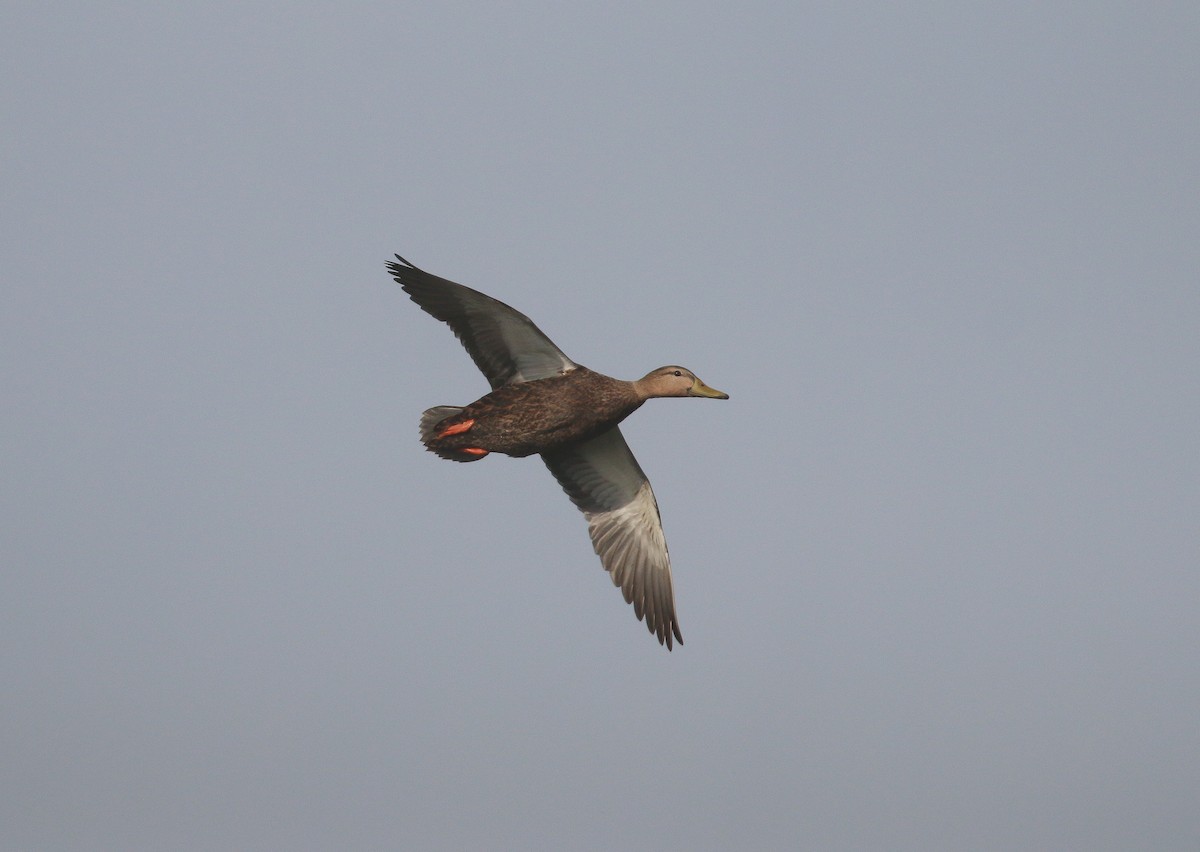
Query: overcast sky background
{"type": "Point", "coordinates": [936, 559]}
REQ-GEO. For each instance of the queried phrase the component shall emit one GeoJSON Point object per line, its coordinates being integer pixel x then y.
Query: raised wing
{"type": "Point", "coordinates": [604, 480]}
{"type": "Point", "coordinates": [504, 343]}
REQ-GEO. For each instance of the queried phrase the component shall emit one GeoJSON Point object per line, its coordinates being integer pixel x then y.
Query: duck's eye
{"type": "Point", "coordinates": [678, 373]}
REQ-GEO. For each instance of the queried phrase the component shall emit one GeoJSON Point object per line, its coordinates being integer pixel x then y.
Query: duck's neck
{"type": "Point", "coordinates": [650, 387]}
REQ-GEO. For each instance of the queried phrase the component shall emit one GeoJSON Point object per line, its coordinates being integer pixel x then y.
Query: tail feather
{"type": "Point", "coordinates": [431, 420]}
{"type": "Point", "coordinates": [431, 417]}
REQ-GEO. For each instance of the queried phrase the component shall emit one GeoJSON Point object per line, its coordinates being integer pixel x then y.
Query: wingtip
{"type": "Point", "coordinates": [678, 639]}
{"type": "Point", "coordinates": [401, 267]}
{"type": "Point", "coordinates": [667, 634]}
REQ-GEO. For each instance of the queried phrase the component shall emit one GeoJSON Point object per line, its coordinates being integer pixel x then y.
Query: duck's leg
{"type": "Point", "coordinates": [457, 428]}
{"type": "Point", "coordinates": [435, 436]}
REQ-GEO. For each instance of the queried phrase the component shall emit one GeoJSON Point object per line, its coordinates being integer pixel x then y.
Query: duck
{"type": "Point", "coordinates": [544, 403]}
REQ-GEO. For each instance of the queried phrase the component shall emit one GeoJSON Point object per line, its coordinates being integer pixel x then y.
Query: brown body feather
{"type": "Point", "coordinates": [534, 417]}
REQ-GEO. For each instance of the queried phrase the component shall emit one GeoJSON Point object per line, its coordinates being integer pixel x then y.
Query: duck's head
{"type": "Point", "coordinates": [675, 381]}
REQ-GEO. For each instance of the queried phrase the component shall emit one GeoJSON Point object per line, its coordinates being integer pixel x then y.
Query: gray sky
{"type": "Point", "coordinates": [936, 559]}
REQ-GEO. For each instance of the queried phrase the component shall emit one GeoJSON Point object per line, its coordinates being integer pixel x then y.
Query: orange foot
{"type": "Point", "coordinates": [456, 429]}
{"type": "Point", "coordinates": [475, 451]}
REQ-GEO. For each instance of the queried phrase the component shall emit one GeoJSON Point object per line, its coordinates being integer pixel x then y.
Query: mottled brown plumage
{"type": "Point", "coordinates": [536, 417]}
{"type": "Point", "coordinates": [543, 402]}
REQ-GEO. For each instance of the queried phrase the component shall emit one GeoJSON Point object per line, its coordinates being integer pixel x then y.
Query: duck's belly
{"type": "Point", "coordinates": [523, 419]}
{"type": "Point", "coordinates": [517, 433]}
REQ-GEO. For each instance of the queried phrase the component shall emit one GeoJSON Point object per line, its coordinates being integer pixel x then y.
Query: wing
{"type": "Point", "coordinates": [604, 480]}
{"type": "Point", "coordinates": [504, 343]}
